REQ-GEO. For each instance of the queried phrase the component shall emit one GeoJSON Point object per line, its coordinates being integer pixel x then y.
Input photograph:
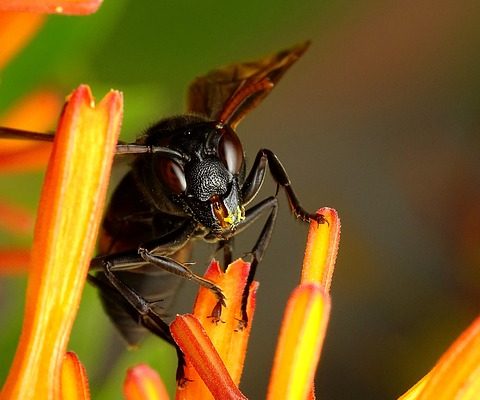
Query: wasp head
{"type": "Point", "coordinates": [204, 180]}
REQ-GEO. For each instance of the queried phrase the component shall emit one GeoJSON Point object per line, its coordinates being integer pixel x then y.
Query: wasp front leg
{"type": "Point", "coordinates": [129, 262]}
{"type": "Point", "coordinates": [250, 189]}
{"type": "Point", "coordinates": [255, 179]}
{"type": "Point", "coordinates": [227, 247]}
{"type": "Point", "coordinates": [141, 310]}
{"type": "Point", "coordinates": [270, 205]}
{"type": "Point", "coordinates": [182, 270]}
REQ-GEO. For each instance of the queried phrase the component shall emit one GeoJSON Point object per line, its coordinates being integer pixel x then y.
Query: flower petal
{"type": "Point", "coordinates": [71, 205]}
{"type": "Point", "coordinates": [415, 390]}
{"type": "Point", "coordinates": [16, 30]}
{"type": "Point", "coordinates": [144, 383]}
{"type": "Point", "coordinates": [31, 159]}
{"type": "Point", "coordinates": [200, 352]}
{"type": "Point", "coordinates": [229, 340]}
{"type": "Point", "coordinates": [321, 250]}
{"type": "Point", "coordinates": [15, 219]}
{"type": "Point", "coordinates": [25, 155]}
{"type": "Point", "coordinates": [457, 373]}
{"type": "Point", "coordinates": [38, 111]}
{"type": "Point", "coordinates": [14, 261]}
{"type": "Point", "coordinates": [301, 339]}
{"type": "Point", "coordinates": [69, 7]}
{"type": "Point", "coordinates": [74, 382]}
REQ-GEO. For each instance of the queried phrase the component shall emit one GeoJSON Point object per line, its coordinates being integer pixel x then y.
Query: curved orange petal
{"type": "Point", "coordinates": [457, 373]}
{"type": "Point", "coordinates": [228, 339]}
{"type": "Point", "coordinates": [71, 205]}
{"type": "Point", "coordinates": [70, 7]}
{"type": "Point", "coordinates": [144, 383]}
{"type": "Point", "coordinates": [37, 112]}
{"type": "Point", "coordinates": [300, 342]}
{"type": "Point", "coordinates": [31, 159]}
{"type": "Point", "coordinates": [321, 250]}
{"type": "Point", "coordinates": [15, 219]}
{"type": "Point", "coordinates": [14, 261]}
{"type": "Point", "coordinates": [74, 381]}
{"type": "Point", "coordinates": [415, 390]}
{"type": "Point", "coordinates": [199, 351]}
{"type": "Point", "coordinates": [306, 316]}
{"type": "Point", "coordinates": [16, 30]}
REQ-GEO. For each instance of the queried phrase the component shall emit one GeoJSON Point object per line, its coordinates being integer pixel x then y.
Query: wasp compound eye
{"type": "Point", "coordinates": [230, 151]}
{"type": "Point", "coordinates": [172, 175]}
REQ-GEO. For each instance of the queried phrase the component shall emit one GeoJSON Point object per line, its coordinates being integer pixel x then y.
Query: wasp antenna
{"type": "Point", "coordinates": [132, 149]}
{"type": "Point", "coordinates": [123, 148]}
{"type": "Point", "coordinates": [13, 133]}
{"type": "Point", "coordinates": [239, 97]}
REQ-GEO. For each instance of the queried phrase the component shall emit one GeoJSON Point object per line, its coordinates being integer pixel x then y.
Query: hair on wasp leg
{"type": "Point", "coordinates": [188, 181]}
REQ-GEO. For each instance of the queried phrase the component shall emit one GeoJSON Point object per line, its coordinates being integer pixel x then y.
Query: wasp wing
{"type": "Point", "coordinates": [211, 95]}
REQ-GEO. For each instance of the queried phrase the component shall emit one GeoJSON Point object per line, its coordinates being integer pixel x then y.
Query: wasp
{"type": "Point", "coordinates": [187, 181]}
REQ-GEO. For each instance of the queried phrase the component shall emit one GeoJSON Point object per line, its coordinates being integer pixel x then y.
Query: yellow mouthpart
{"type": "Point", "coordinates": [235, 217]}
{"type": "Point", "coordinates": [225, 218]}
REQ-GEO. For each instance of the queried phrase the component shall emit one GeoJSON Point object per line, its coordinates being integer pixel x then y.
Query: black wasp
{"type": "Point", "coordinates": [187, 181]}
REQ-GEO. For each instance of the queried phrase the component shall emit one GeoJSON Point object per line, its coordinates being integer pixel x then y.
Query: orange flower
{"type": "Point", "coordinates": [24, 25]}
{"type": "Point", "coordinates": [72, 199]}
{"type": "Point", "coordinates": [306, 316]}
{"type": "Point", "coordinates": [24, 155]}
{"type": "Point", "coordinates": [215, 351]}
{"type": "Point", "coordinates": [19, 22]}
{"type": "Point", "coordinates": [24, 18]}
{"type": "Point", "coordinates": [21, 156]}
{"type": "Point", "coordinates": [65, 233]}
{"type": "Point", "coordinates": [74, 382]}
{"type": "Point", "coordinates": [143, 383]}
{"type": "Point", "coordinates": [71, 7]}
{"type": "Point", "coordinates": [456, 375]}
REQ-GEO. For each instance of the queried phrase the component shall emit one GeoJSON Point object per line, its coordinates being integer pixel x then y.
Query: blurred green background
{"type": "Point", "coordinates": [380, 120]}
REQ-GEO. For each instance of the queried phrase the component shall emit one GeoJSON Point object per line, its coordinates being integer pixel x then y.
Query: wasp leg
{"type": "Point", "coordinates": [268, 204]}
{"type": "Point", "coordinates": [252, 215]}
{"type": "Point", "coordinates": [174, 267]}
{"type": "Point", "coordinates": [227, 247]}
{"type": "Point", "coordinates": [140, 310]}
{"type": "Point", "coordinates": [255, 178]}
{"type": "Point", "coordinates": [117, 261]}
{"type": "Point", "coordinates": [130, 261]}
